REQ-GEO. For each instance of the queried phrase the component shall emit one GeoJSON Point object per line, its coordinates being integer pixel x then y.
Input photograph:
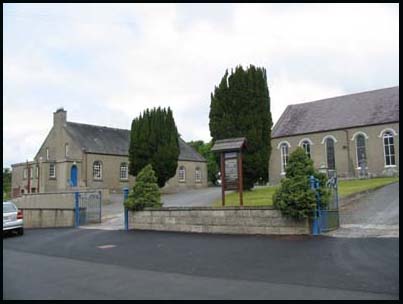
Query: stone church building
{"type": "Point", "coordinates": [353, 135]}
{"type": "Point", "coordinates": [76, 155]}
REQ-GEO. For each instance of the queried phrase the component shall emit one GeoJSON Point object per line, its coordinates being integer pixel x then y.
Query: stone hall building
{"type": "Point", "coordinates": [83, 156]}
{"type": "Point", "coordinates": [353, 135]}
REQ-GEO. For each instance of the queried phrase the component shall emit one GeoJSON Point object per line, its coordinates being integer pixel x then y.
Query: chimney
{"type": "Point", "coordinates": [59, 118]}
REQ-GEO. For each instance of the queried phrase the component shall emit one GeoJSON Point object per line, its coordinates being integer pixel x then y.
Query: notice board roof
{"type": "Point", "coordinates": [229, 144]}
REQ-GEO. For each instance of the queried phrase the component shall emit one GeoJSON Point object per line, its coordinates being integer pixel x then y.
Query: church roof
{"type": "Point", "coordinates": [354, 110]}
{"type": "Point", "coordinates": [104, 140]}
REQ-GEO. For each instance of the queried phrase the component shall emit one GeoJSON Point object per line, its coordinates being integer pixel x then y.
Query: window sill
{"type": "Point", "coordinates": [52, 178]}
{"type": "Point", "coordinates": [124, 179]}
{"type": "Point", "coordinates": [390, 166]}
{"type": "Point", "coordinates": [98, 180]}
{"type": "Point", "coordinates": [182, 181]}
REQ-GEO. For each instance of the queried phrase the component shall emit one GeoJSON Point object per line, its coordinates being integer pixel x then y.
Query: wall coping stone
{"type": "Point", "coordinates": [210, 208]}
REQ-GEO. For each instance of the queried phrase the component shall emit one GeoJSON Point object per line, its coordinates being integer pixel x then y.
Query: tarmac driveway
{"type": "Point", "coordinates": [373, 215]}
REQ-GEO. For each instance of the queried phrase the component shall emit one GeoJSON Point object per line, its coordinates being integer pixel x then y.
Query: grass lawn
{"type": "Point", "coordinates": [262, 196]}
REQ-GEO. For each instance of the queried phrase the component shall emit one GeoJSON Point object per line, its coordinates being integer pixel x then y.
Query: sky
{"type": "Point", "coordinates": [106, 63]}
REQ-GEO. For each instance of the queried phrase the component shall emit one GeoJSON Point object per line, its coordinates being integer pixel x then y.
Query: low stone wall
{"type": "Point", "coordinates": [55, 200]}
{"type": "Point", "coordinates": [48, 217]}
{"type": "Point", "coordinates": [231, 220]}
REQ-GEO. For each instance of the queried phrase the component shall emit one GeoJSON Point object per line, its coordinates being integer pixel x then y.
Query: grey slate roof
{"type": "Point", "coordinates": [360, 109]}
{"type": "Point", "coordinates": [188, 153]}
{"type": "Point", "coordinates": [104, 140]}
{"type": "Point", "coordinates": [229, 144]}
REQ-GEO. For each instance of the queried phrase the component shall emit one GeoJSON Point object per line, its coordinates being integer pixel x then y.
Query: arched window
{"type": "Point", "coordinates": [331, 164]}
{"type": "Point", "coordinates": [284, 156]}
{"type": "Point", "coordinates": [307, 147]}
{"type": "Point", "coordinates": [97, 170]}
{"type": "Point", "coordinates": [389, 149]}
{"type": "Point", "coordinates": [361, 153]}
{"type": "Point", "coordinates": [182, 174]}
{"type": "Point", "coordinates": [123, 171]}
{"type": "Point", "coordinates": [198, 174]}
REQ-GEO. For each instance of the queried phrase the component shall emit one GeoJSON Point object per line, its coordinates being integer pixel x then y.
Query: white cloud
{"type": "Point", "coordinates": [106, 63]}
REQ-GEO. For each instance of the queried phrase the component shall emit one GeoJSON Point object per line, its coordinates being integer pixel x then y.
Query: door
{"type": "Point", "coordinates": [73, 176]}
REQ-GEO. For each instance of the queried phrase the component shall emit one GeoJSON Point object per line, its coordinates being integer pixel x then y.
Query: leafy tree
{"type": "Point", "coordinates": [295, 198]}
{"type": "Point", "coordinates": [145, 192]}
{"type": "Point", "coordinates": [205, 150]}
{"type": "Point", "coordinates": [240, 107]}
{"type": "Point", "coordinates": [154, 140]}
{"type": "Point", "coordinates": [6, 183]}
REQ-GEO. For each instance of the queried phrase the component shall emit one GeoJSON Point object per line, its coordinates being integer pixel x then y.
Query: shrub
{"type": "Point", "coordinates": [145, 192]}
{"type": "Point", "coordinates": [295, 198]}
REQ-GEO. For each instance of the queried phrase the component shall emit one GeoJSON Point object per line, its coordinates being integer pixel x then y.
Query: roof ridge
{"type": "Point", "coordinates": [95, 126]}
{"type": "Point", "coordinates": [340, 96]}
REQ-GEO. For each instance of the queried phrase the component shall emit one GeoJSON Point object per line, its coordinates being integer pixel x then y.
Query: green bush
{"type": "Point", "coordinates": [145, 192]}
{"type": "Point", "coordinates": [295, 198]}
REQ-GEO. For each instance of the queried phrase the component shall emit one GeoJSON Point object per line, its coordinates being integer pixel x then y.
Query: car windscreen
{"type": "Point", "coordinates": [9, 208]}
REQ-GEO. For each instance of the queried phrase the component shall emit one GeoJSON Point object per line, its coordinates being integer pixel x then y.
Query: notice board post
{"type": "Point", "coordinates": [231, 165]}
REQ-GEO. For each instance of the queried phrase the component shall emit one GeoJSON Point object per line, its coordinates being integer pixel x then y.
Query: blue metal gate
{"type": "Point", "coordinates": [88, 207]}
{"type": "Point", "coordinates": [326, 218]}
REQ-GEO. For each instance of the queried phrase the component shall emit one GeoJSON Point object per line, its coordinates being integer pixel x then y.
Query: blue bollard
{"type": "Point", "coordinates": [125, 196]}
{"type": "Point", "coordinates": [77, 210]}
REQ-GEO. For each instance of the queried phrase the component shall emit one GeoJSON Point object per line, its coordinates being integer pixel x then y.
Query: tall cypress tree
{"type": "Point", "coordinates": [240, 107]}
{"type": "Point", "coordinates": [154, 140]}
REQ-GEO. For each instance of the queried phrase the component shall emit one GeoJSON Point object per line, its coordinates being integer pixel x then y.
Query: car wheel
{"type": "Point", "coordinates": [21, 231]}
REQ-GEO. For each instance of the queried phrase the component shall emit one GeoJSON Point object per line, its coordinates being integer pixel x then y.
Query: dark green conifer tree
{"type": "Point", "coordinates": [240, 107]}
{"type": "Point", "coordinates": [154, 140]}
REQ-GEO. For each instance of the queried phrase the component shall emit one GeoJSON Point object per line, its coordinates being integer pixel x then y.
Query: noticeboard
{"type": "Point", "coordinates": [231, 171]}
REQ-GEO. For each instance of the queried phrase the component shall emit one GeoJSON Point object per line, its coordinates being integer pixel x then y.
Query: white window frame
{"type": "Point", "coordinates": [303, 144]}
{"type": "Point", "coordinates": [358, 133]}
{"type": "Point", "coordinates": [123, 172]}
{"type": "Point", "coordinates": [334, 151]}
{"type": "Point", "coordinates": [388, 131]}
{"type": "Point", "coordinates": [182, 174]}
{"type": "Point", "coordinates": [50, 171]}
{"type": "Point", "coordinates": [97, 168]}
{"type": "Point", "coordinates": [356, 149]}
{"type": "Point", "coordinates": [198, 175]}
{"type": "Point", "coordinates": [283, 160]}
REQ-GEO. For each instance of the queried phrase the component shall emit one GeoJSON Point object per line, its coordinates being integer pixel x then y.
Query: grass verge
{"type": "Point", "coordinates": [262, 196]}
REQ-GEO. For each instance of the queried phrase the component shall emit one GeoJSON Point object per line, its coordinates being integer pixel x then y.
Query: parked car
{"type": "Point", "coordinates": [12, 218]}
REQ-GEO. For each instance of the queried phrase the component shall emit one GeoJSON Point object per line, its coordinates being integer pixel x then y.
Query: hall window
{"type": "Point", "coordinates": [361, 153]}
{"type": "Point", "coordinates": [284, 156]}
{"type": "Point", "coordinates": [307, 147]}
{"type": "Point", "coordinates": [198, 175]}
{"type": "Point", "coordinates": [389, 149]}
{"type": "Point", "coordinates": [182, 174]}
{"type": "Point", "coordinates": [123, 171]}
{"type": "Point", "coordinates": [97, 170]}
{"type": "Point", "coordinates": [331, 164]}
{"type": "Point", "coordinates": [52, 171]}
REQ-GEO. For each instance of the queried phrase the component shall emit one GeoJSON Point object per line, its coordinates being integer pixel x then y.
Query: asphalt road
{"type": "Point", "coordinates": [69, 264]}
{"type": "Point", "coordinates": [373, 215]}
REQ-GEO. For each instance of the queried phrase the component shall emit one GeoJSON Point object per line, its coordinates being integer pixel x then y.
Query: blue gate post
{"type": "Point", "coordinates": [125, 196]}
{"type": "Point", "coordinates": [77, 210]}
{"type": "Point", "coordinates": [315, 222]}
